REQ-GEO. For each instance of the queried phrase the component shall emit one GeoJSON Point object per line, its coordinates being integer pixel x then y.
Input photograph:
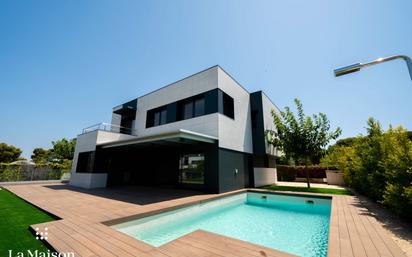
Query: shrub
{"type": "Point", "coordinates": [10, 173]}
{"type": "Point", "coordinates": [286, 173]}
{"type": "Point", "coordinates": [54, 174]}
{"type": "Point", "coordinates": [64, 165]}
{"type": "Point", "coordinates": [289, 173]}
{"type": "Point", "coordinates": [378, 165]}
{"type": "Point", "coordinates": [314, 171]}
{"type": "Point", "coordinates": [46, 171]}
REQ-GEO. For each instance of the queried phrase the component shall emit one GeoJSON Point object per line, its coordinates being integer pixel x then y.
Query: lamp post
{"type": "Point", "coordinates": [357, 66]}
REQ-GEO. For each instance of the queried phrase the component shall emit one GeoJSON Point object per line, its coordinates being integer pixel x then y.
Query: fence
{"type": "Point", "coordinates": [11, 173]}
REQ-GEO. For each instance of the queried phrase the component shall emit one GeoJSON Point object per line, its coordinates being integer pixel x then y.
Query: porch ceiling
{"type": "Point", "coordinates": [177, 137]}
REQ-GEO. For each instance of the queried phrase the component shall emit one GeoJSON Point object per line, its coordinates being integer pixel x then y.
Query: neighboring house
{"type": "Point", "coordinates": [203, 132]}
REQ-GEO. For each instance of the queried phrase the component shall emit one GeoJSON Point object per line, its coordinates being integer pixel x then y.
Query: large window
{"type": "Point", "coordinates": [209, 102]}
{"type": "Point", "coordinates": [85, 162]}
{"type": "Point", "coordinates": [192, 169]}
{"type": "Point", "coordinates": [228, 106]}
{"type": "Point", "coordinates": [187, 110]}
{"type": "Point", "coordinates": [156, 117]}
{"type": "Point", "coordinates": [160, 117]}
{"type": "Point", "coordinates": [199, 107]}
{"type": "Point", "coordinates": [192, 107]}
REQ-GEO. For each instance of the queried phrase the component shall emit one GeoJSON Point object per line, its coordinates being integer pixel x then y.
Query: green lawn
{"type": "Point", "coordinates": [16, 216]}
{"type": "Point", "coordinates": [310, 190]}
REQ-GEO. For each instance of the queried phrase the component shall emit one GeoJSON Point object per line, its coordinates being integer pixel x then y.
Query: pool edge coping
{"type": "Point", "coordinates": [120, 220]}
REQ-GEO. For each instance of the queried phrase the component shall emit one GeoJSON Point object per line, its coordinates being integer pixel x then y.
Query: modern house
{"type": "Point", "coordinates": [204, 132]}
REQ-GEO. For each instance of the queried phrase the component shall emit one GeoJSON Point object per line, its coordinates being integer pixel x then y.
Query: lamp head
{"type": "Point", "coordinates": [347, 69]}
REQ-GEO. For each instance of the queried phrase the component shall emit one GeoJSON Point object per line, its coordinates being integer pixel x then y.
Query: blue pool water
{"type": "Point", "coordinates": [285, 223]}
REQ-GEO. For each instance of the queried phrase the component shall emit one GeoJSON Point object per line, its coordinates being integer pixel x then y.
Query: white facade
{"type": "Point", "coordinates": [85, 143]}
{"type": "Point", "coordinates": [232, 134]}
{"type": "Point", "coordinates": [267, 107]}
{"type": "Point", "coordinates": [235, 134]}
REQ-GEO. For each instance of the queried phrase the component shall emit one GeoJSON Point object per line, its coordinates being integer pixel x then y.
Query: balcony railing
{"type": "Point", "coordinates": [110, 128]}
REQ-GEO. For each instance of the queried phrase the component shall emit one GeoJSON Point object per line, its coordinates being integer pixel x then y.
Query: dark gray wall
{"type": "Point", "coordinates": [211, 169]}
{"type": "Point", "coordinates": [258, 131]}
{"type": "Point", "coordinates": [260, 157]}
{"type": "Point", "coordinates": [229, 161]}
{"type": "Point", "coordinates": [152, 165]}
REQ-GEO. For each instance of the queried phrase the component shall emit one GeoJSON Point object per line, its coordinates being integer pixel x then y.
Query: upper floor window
{"type": "Point", "coordinates": [156, 117]}
{"type": "Point", "coordinates": [187, 110]}
{"type": "Point", "coordinates": [209, 102]}
{"type": "Point", "coordinates": [199, 107]}
{"type": "Point", "coordinates": [160, 117]}
{"type": "Point", "coordinates": [226, 105]}
{"type": "Point", "coordinates": [193, 107]}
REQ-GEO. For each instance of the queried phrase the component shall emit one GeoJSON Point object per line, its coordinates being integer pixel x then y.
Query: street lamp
{"type": "Point", "coordinates": [357, 66]}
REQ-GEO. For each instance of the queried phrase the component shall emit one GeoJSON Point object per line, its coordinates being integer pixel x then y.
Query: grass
{"type": "Point", "coordinates": [16, 216]}
{"type": "Point", "coordinates": [309, 190]}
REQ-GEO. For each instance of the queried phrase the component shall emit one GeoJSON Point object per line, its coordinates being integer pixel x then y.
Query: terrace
{"type": "Point", "coordinates": [86, 214]}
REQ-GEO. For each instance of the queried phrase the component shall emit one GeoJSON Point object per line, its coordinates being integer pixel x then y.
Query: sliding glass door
{"type": "Point", "coordinates": [192, 169]}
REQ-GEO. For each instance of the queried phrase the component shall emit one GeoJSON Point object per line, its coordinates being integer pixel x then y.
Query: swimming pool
{"type": "Point", "coordinates": [293, 224]}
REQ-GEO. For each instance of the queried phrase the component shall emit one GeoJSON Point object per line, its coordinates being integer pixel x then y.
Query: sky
{"type": "Point", "coordinates": [65, 64]}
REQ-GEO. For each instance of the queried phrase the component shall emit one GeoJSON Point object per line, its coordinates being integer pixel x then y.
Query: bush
{"type": "Point", "coordinates": [48, 171]}
{"type": "Point", "coordinates": [286, 173]}
{"type": "Point", "coordinates": [314, 171]}
{"type": "Point", "coordinates": [378, 165]}
{"type": "Point", "coordinates": [9, 173]}
{"type": "Point", "coordinates": [290, 173]}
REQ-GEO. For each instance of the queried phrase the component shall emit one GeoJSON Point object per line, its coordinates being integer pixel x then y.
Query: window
{"type": "Point", "coordinates": [156, 117]}
{"type": "Point", "coordinates": [192, 107]}
{"type": "Point", "coordinates": [192, 170]}
{"type": "Point", "coordinates": [199, 107]}
{"type": "Point", "coordinates": [187, 110]}
{"type": "Point", "coordinates": [126, 124]}
{"type": "Point", "coordinates": [160, 117]}
{"type": "Point", "coordinates": [228, 106]}
{"type": "Point", "coordinates": [85, 162]}
{"type": "Point", "coordinates": [163, 114]}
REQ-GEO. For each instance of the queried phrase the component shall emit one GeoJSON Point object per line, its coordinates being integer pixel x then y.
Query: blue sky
{"type": "Point", "coordinates": [65, 64]}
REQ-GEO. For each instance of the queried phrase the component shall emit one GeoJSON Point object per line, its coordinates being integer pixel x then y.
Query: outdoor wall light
{"type": "Point", "coordinates": [357, 66]}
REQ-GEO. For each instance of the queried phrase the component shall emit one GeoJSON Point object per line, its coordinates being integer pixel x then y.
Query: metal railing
{"type": "Point", "coordinates": [110, 128]}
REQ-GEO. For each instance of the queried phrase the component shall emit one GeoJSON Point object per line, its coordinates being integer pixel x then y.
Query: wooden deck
{"type": "Point", "coordinates": [84, 213]}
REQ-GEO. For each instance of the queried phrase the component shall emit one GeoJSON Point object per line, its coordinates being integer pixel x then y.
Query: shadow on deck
{"type": "Point", "coordinates": [132, 194]}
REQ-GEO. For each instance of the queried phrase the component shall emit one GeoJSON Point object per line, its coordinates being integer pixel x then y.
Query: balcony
{"type": "Point", "coordinates": [110, 128]}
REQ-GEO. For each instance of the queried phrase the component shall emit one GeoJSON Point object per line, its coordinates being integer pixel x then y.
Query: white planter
{"type": "Point", "coordinates": [335, 177]}
{"type": "Point", "coordinates": [265, 176]}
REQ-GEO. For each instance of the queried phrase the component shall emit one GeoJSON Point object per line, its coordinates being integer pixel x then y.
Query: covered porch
{"type": "Point", "coordinates": [182, 159]}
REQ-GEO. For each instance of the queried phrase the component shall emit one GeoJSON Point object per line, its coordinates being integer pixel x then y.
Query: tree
{"type": "Point", "coordinates": [302, 138]}
{"type": "Point", "coordinates": [9, 153]}
{"type": "Point", "coordinates": [63, 149]}
{"type": "Point", "coordinates": [41, 155]}
{"type": "Point", "coordinates": [349, 141]}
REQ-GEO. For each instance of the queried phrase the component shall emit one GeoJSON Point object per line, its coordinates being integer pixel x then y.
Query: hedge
{"type": "Point", "coordinates": [11, 173]}
{"type": "Point", "coordinates": [289, 173]}
{"type": "Point", "coordinates": [378, 165]}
